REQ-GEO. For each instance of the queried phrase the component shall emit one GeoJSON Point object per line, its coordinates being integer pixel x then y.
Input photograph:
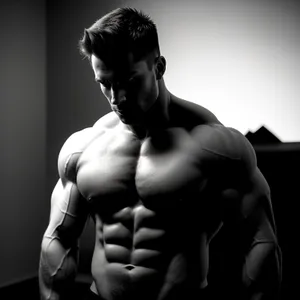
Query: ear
{"type": "Point", "coordinates": [160, 67]}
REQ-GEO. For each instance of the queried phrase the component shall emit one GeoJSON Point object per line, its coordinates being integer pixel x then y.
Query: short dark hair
{"type": "Point", "coordinates": [120, 31]}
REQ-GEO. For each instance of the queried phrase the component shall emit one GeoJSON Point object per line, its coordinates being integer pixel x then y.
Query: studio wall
{"type": "Point", "coordinates": [23, 206]}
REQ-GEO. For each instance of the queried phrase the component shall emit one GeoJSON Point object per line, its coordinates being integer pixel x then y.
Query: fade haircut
{"type": "Point", "coordinates": [121, 31]}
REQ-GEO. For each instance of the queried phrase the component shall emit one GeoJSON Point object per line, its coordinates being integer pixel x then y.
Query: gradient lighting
{"type": "Point", "coordinates": [240, 59]}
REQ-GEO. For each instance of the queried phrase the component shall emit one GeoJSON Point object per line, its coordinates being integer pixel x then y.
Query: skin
{"type": "Point", "coordinates": [159, 176]}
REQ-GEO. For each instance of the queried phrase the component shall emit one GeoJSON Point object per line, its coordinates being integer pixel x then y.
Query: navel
{"type": "Point", "coordinates": [129, 267]}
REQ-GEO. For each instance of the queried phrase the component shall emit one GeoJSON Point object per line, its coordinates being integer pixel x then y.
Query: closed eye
{"type": "Point", "coordinates": [108, 84]}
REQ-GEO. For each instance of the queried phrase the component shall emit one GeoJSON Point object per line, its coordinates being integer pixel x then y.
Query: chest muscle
{"type": "Point", "coordinates": [120, 167]}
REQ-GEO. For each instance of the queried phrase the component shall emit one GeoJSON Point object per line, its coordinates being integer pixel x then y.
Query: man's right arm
{"type": "Point", "coordinates": [59, 249]}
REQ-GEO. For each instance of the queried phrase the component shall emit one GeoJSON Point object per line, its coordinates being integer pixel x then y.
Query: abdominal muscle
{"type": "Point", "coordinates": [140, 262]}
{"type": "Point", "coordinates": [113, 280]}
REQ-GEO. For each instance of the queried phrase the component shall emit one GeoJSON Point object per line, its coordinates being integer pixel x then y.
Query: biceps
{"type": "Point", "coordinates": [68, 213]}
{"type": "Point", "coordinates": [249, 210]}
{"type": "Point", "coordinates": [257, 210]}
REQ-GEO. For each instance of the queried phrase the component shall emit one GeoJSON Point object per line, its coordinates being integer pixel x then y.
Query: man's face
{"type": "Point", "coordinates": [130, 86]}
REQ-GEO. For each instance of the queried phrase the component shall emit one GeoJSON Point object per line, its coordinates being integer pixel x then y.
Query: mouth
{"type": "Point", "coordinates": [126, 115]}
{"type": "Point", "coordinates": [119, 111]}
{"type": "Point", "coordinates": [122, 113]}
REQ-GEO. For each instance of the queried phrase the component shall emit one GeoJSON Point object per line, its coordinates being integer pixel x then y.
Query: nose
{"type": "Point", "coordinates": [118, 96]}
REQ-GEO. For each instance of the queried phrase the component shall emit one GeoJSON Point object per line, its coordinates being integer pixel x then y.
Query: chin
{"type": "Point", "coordinates": [129, 119]}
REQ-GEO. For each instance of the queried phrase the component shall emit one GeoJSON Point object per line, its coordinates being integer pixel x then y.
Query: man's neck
{"type": "Point", "coordinates": [139, 131]}
{"type": "Point", "coordinates": [158, 117]}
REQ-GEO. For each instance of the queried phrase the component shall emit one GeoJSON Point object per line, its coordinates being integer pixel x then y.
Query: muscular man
{"type": "Point", "coordinates": [159, 176]}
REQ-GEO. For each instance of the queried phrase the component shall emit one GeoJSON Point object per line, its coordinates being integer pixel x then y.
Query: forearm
{"type": "Point", "coordinates": [57, 270]}
{"type": "Point", "coordinates": [262, 272]}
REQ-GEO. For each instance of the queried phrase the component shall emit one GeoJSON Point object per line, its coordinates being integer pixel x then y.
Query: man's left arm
{"type": "Point", "coordinates": [252, 257]}
{"type": "Point", "coordinates": [252, 214]}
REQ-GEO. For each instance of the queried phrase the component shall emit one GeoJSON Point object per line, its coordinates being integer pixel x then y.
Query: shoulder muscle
{"type": "Point", "coordinates": [224, 145]}
{"type": "Point", "coordinates": [71, 151]}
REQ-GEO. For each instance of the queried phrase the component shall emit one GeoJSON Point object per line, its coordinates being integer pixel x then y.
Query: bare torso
{"type": "Point", "coordinates": [145, 198]}
{"type": "Point", "coordinates": [157, 202]}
